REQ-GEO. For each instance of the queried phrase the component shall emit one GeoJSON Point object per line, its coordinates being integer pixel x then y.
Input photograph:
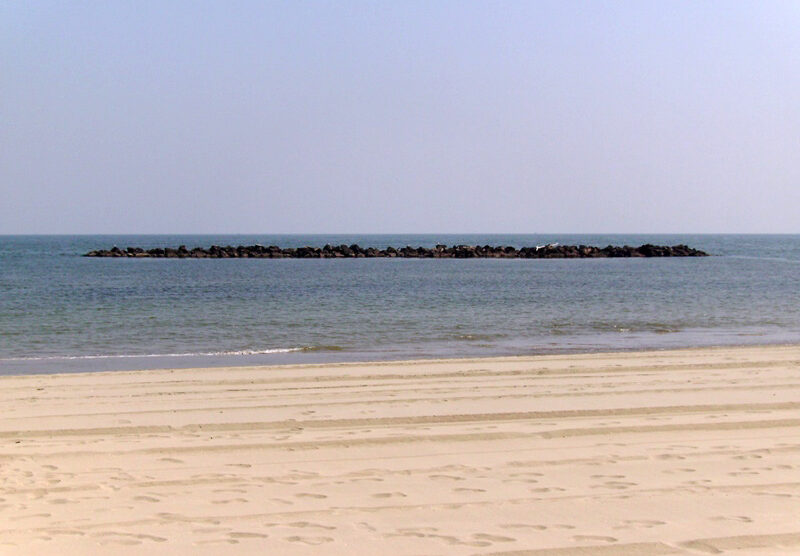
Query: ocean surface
{"type": "Point", "coordinates": [60, 312]}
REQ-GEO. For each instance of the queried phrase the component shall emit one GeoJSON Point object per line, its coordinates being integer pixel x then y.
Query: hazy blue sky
{"type": "Point", "coordinates": [150, 117]}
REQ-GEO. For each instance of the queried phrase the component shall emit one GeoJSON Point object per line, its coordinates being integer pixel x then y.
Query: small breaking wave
{"type": "Point", "coordinates": [322, 348]}
{"type": "Point", "coordinates": [634, 327]}
{"type": "Point", "coordinates": [138, 355]}
{"type": "Point", "coordinates": [478, 337]}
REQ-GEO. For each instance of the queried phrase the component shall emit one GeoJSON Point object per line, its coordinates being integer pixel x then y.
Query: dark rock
{"type": "Point", "coordinates": [552, 251]}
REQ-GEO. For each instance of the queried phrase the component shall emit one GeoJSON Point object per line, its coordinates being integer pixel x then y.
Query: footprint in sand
{"type": "Point", "coordinates": [115, 537]}
{"type": "Point", "coordinates": [313, 541]}
{"type": "Point", "coordinates": [615, 485]}
{"type": "Point", "coordinates": [678, 470]}
{"type": "Point", "coordinates": [217, 541]}
{"type": "Point", "coordinates": [639, 524]}
{"type": "Point", "coordinates": [209, 530]}
{"type": "Point", "coordinates": [246, 535]}
{"type": "Point", "coordinates": [21, 517]}
{"type": "Point", "coordinates": [70, 532]}
{"type": "Point", "coordinates": [593, 538]}
{"type": "Point", "coordinates": [430, 533]}
{"type": "Point", "coordinates": [535, 527]}
{"type": "Point", "coordinates": [698, 482]}
{"type": "Point", "coordinates": [311, 525]}
{"type": "Point", "coordinates": [389, 495]}
{"type": "Point", "coordinates": [417, 531]}
{"type": "Point", "coordinates": [739, 518]}
{"type": "Point", "coordinates": [492, 538]}
{"type": "Point", "coordinates": [541, 490]}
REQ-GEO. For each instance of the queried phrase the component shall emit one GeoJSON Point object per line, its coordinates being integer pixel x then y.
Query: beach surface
{"type": "Point", "coordinates": [691, 451]}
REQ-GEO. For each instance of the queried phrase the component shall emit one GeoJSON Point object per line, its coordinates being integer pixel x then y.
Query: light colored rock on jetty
{"type": "Point", "coordinates": [671, 452]}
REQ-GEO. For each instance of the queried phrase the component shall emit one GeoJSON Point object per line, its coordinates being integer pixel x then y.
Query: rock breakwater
{"type": "Point", "coordinates": [551, 251]}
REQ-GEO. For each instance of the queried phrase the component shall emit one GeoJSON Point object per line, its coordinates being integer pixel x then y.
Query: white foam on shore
{"type": "Point", "coordinates": [134, 355]}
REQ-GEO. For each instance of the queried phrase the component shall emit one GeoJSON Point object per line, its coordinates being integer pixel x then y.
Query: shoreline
{"type": "Point", "coordinates": [640, 452]}
{"type": "Point", "coordinates": [337, 358]}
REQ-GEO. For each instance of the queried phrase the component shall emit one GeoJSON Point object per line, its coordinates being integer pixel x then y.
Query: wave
{"type": "Point", "coordinates": [321, 348]}
{"type": "Point", "coordinates": [635, 327]}
{"type": "Point", "coordinates": [478, 337]}
{"type": "Point", "coordinates": [136, 355]}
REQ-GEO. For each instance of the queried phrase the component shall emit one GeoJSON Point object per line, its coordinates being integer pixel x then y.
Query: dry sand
{"type": "Point", "coordinates": [669, 452]}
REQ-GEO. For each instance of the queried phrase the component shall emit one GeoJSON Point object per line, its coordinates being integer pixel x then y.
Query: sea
{"type": "Point", "coordinates": [62, 312]}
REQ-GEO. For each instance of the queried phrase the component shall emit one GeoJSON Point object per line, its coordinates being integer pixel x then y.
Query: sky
{"type": "Point", "coordinates": [399, 117]}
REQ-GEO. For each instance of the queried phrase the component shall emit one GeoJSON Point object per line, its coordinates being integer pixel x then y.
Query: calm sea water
{"type": "Point", "coordinates": [63, 312]}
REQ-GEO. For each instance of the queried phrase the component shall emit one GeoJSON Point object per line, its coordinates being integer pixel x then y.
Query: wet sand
{"type": "Point", "coordinates": [670, 452]}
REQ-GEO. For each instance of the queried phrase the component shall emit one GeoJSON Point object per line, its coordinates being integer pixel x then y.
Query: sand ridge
{"type": "Point", "coordinates": [645, 453]}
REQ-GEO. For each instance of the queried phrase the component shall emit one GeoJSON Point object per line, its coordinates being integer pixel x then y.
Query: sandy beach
{"type": "Point", "coordinates": [670, 452]}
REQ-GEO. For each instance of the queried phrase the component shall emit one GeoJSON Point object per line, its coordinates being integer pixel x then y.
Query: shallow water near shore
{"type": "Point", "coordinates": [61, 312]}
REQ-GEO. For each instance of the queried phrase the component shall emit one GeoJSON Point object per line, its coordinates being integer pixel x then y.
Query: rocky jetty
{"type": "Point", "coordinates": [551, 251]}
